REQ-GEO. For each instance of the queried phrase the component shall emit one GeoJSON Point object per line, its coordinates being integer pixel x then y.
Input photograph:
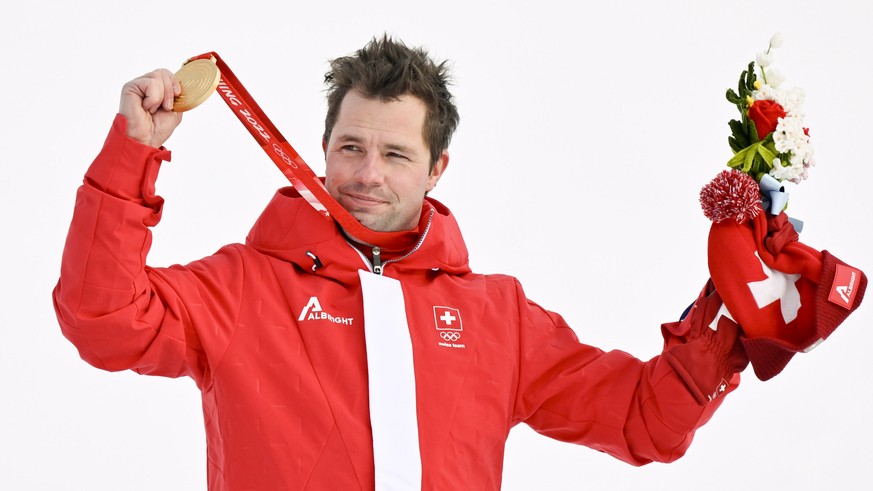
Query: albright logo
{"type": "Point", "coordinates": [843, 289]}
{"type": "Point", "coordinates": [313, 312]}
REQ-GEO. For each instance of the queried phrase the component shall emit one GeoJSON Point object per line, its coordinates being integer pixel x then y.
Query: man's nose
{"type": "Point", "coordinates": [371, 169]}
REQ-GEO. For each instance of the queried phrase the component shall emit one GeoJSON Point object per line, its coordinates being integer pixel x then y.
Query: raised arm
{"type": "Point", "coordinates": [120, 313]}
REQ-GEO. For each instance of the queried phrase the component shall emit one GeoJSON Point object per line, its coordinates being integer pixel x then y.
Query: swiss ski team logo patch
{"type": "Point", "coordinates": [448, 324]}
{"type": "Point", "coordinates": [843, 288]}
{"type": "Point", "coordinates": [447, 319]}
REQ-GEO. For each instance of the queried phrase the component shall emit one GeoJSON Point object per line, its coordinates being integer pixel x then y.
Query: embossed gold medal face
{"type": "Point", "coordinates": [198, 79]}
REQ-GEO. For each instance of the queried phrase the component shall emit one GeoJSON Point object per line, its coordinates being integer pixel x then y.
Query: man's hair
{"type": "Point", "coordinates": [387, 69]}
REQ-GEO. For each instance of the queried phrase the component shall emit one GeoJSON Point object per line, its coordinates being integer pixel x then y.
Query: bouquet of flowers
{"type": "Point", "coordinates": [786, 296]}
{"type": "Point", "coordinates": [769, 142]}
{"type": "Point", "coordinates": [770, 137]}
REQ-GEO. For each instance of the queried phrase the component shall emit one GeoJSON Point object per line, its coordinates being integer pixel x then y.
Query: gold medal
{"type": "Point", "coordinates": [198, 79]}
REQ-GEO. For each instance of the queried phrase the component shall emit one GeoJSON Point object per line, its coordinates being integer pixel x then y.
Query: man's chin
{"type": "Point", "coordinates": [383, 221]}
{"type": "Point", "coordinates": [372, 222]}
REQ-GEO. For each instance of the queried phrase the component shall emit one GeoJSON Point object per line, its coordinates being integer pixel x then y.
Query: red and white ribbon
{"type": "Point", "coordinates": [289, 161]}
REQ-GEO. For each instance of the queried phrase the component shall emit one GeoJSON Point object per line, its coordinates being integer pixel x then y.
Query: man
{"type": "Point", "coordinates": [327, 363]}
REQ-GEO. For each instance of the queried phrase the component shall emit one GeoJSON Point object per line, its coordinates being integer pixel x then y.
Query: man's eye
{"type": "Point", "coordinates": [351, 148]}
{"type": "Point", "coordinates": [397, 156]}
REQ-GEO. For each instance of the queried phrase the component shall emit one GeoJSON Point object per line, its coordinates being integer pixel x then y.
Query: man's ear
{"type": "Point", "coordinates": [324, 147]}
{"type": "Point", "coordinates": [436, 172]}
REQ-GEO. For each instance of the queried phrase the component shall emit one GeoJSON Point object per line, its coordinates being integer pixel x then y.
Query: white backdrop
{"type": "Point", "coordinates": [586, 134]}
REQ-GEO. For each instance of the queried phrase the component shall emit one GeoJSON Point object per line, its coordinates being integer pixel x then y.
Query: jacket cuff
{"type": "Point", "coordinates": [126, 168]}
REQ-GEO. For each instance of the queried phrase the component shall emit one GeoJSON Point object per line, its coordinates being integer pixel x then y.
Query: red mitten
{"type": "Point", "coordinates": [787, 296]}
{"type": "Point", "coordinates": [704, 348]}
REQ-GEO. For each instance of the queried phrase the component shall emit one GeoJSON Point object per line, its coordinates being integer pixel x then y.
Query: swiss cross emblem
{"type": "Point", "coordinates": [722, 387]}
{"type": "Point", "coordinates": [447, 319]}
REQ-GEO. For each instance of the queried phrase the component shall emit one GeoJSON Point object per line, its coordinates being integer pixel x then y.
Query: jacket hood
{"type": "Point", "coordinates": [291, 230]}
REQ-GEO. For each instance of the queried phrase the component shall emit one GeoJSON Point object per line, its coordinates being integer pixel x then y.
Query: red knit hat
{"type": "Point", "coordinates": [786, 296]}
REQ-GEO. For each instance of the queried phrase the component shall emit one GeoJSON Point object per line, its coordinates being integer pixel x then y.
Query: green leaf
{"type": "Point", "coordinates": [751, 130]}
{"type": "Point", "coordinates": [767, 155]}
{"type": "Point", "coordinates": [750, 79]}
{"type": "Point", "coordinates": [771, 146]}
{"type": "Point", "coordinates": [735, 145]}
{"type": "Point", "coordinates": [741, 85]}
{"type": "Point", "coordinates": [738, 132]}
{"type": "Point", "coordinates": [732, 97]}
{"type": "Point", "coordinates": [737, 127]}
{"type": "Point", "coordinates": [750, 159]}
{"type": "Point", "coordinates": [740, 157]}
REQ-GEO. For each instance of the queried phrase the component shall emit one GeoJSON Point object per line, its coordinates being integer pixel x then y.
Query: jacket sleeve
{"type": "Point", "coordinates": [120, 313]}
{"type": "Point", "coordinates": [637, 411]}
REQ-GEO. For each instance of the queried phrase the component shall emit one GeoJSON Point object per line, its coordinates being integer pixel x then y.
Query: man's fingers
{"type": "Point", "coordinates": [157, 90]}
{"type": "Point", "coordinates": [147, 104]}
{"type": "Point", "coordinates": [171, 88]}
{"type": "Point", "coordinates": [153, 94]}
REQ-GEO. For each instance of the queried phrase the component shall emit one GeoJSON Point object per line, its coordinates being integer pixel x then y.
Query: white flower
{"type": "Point", "coordinates": [803, 175]}
{"type": "Point", "coordinates": [776, 40]}
{"type": "Point", "coordinates": [765, 93]}
{"type": "Point", "coordinates": [789, 137]}
{"type": "Point", "coordinates": [791, 173]}
{"type": "Point", "coordinates": [782, 142]}
{"type": "Point", "coordinates": [790, 140]}
{"type": "Point", "coordinates": [764, 59]}
{"type": "Point", "coordinates": [774, 78]}
{"type": "Point", "coordinates": [790, 99]}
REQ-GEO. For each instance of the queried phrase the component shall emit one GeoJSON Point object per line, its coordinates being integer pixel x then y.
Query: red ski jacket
{"type": "Point", "coordinates": [272, 333]}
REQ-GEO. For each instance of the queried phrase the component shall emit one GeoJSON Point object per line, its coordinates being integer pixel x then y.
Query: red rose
{"type": "Point", "coordinates": [765, 114]}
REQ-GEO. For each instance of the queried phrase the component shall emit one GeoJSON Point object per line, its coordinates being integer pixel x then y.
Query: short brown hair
{"type": "Point", "coordinates": [387, 69]}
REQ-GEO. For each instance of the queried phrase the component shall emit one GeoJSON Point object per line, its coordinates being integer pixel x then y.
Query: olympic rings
{"type": "Point", "coordinates": [450, 335]}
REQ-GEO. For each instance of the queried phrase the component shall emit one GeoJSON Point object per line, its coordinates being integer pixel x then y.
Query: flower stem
{"type": "Point", "coordinates": [763, 73]}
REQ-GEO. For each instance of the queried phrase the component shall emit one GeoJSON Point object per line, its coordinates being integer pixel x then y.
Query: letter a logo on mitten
{"type": "Point", "coordinates": [843, 289]}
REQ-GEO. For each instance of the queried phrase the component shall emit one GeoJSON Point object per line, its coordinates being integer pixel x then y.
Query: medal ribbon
{"type": "Point", "coordinates": [290, 163]}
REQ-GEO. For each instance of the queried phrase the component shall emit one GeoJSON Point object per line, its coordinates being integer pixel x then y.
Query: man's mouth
{"type": "Point", "coordinates": [365, 200]}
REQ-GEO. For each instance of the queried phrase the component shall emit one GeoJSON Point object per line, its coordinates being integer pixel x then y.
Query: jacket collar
{"type": "Point", "coordinates": [291, 230]}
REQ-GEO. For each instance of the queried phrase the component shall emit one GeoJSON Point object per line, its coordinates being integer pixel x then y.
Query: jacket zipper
{"type": "Point", "coordinates": [377, 265]}
{"type": "Point", "coordinates": [377, 260]}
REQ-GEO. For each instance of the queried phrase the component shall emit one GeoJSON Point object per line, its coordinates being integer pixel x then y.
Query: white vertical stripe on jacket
{"type": "Point", "coordinates": [391, 371]}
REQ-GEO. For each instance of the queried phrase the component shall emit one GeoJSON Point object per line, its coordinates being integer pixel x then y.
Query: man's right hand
{"type": "Point", "coordinates": [147, 104]}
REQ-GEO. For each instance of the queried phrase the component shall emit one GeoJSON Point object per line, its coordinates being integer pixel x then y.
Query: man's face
{"type": "Point", "coordinates": [377, 162]}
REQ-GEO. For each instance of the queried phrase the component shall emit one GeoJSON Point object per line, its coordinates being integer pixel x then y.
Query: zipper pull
{"type": "Point", "coordinates": [377, 260]}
